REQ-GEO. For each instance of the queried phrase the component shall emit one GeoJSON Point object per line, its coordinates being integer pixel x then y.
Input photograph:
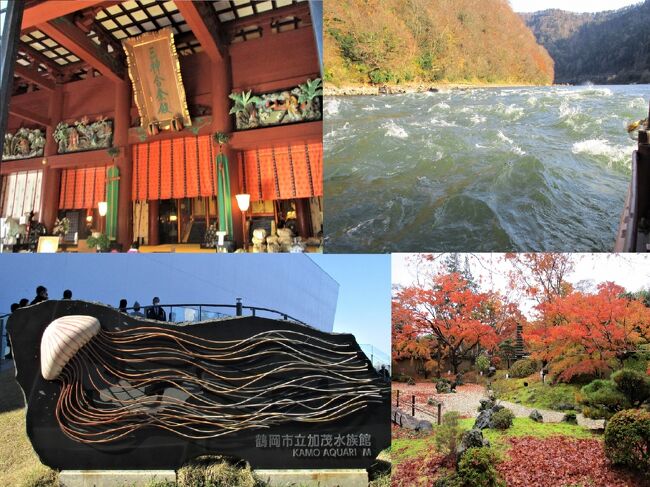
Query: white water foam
{"type": "Point", "coordinates": [394, 130]}
{"type": "Point", "coordinates": [370, 108]}
{"type": "Point", "coordinates": [477, 119]}
{"type": "Point", "coordinates": [513, 147]}
{"type": "Point", "coordinates": [332, 106]}
{"type": "Point", "coordinates": [602, 148]}
{"type": "Point", "coordinates": [442, 123]}
{"type": "Point", "coordinates": [443, 106]}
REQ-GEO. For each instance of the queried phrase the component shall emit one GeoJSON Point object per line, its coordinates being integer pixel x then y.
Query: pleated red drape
{"type": "Point", "coordinates": [176, 168]}
{"type": "Point", "coordinates": [291, 171]}
{"type": "Point", "coordinates": [82, 188]}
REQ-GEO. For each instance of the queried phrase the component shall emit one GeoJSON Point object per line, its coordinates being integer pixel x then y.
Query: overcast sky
{"type": "Point", "coordinates": [573, 5]}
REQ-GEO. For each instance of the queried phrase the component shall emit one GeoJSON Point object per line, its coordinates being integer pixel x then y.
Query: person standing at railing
{"type": "Point", "coordinates": [156, 312]}
{"type": "Point", "coordinates": [67, 294]}
{"type": "Point", "coordinates": [23, 302]}
{"type": "Point", "coordinates": [41, 295]}
{"type": "Point", "coordinates": [136, 310]}
{"type": "Point", "coordinates": [122, 306]}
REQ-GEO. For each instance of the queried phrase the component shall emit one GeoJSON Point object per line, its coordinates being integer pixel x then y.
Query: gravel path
{"type": "Point", "coordinates": [466, 401]}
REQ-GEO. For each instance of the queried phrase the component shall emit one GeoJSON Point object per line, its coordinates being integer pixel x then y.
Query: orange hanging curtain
{"type": "Point", "coordinates": [284, 172]}
{"type": "Point", "coordinates": [82, 188]}
{"type": "Point", "coordinates": [171, 169]}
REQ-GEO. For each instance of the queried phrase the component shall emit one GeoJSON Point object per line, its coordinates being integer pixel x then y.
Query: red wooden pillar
{"type": "Point", "coordinates": [123, 162]}
{"type": "Point", "coordinates": [154, 214]}
{"type": "Point", "coordinates": [303, 215]}
{"type": "Point", "coordinates": [222, 122]}
{"type": "Point", "coordinates": [51, 182]}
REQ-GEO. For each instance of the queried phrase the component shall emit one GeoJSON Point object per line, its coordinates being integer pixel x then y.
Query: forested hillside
{"type": "Point", "coordinates": [609, 47]}
{"type": "Point", "coordinates": [398, 41]}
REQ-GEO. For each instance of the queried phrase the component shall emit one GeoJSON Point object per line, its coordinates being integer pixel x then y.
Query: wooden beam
{"type": "Point", "coordinates": [53, 70]}
{"type": "Point", "coordinates": [46, 11]}
{"type": "Point", "coordinates": [33, 76]}
{"type": "Point", "coordinates": [300, 10]}
{"type": "Point", "coordinates": [63, 31]}
{"type": "Point", "coordinates": [205, 25]}
{"type": "Point", "coordinates": [29, 116]}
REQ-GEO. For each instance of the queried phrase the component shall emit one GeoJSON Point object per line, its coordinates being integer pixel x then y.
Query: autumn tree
{"type": "Point", "coordinates": [587, 334]}
{"type": "Point", "coordinates": [542, 277]}
{"type": "Point", "coordinates": [451, 313]}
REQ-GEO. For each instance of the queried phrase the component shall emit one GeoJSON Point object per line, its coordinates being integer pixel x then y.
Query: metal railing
{"type": "Point", "coordinates": [198, 312]}
{"type": "Point", "coordinates": [413, 408]}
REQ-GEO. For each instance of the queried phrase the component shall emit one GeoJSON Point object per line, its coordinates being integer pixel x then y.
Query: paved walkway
{"type": "Point", "coordinates": [466, 401]}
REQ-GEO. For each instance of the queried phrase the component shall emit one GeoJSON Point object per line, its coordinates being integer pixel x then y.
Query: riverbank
{"type": "Point", "coordinates": [373, 90]}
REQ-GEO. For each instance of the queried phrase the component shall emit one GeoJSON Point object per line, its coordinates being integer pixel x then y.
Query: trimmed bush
{"type": "Point", "coordinates": [634, 384]}
{"type": "Point", "coordinates": [627, 439]}
{"type": "Point", "coordinates": [523, 368]}
{"type": "Point", "coordinates": [448, 434]}
{"type": "Point", "coordinates": [601, 399]}
{"type": "Point", "coordinates": [502, 419]}
{"type": "Point", "coordinates": [410, 381]}
{"type": "Point", "coordinates": [443, 386]}
{"type": "Point", "coordinates": [476, 469]}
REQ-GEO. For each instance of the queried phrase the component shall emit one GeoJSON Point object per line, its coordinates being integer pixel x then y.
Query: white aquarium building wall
{"type": "Point", "coordinates": [291, 283]}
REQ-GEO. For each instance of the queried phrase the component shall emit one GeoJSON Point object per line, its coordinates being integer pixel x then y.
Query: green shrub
{"type": "Point", "coordinates": [476, 469]}
{"type": "Point", "coordinates": [482, 363]}
{"type": "Point", "coordinates": [601, 399]}
{"type": "Point", "coordinates": [638, 361]}
{"type": "Point", "coordinates": [502, 419]}
{"type": "Point", "coordinates": [443, 386]}
{"type": "Point", "coordinates": [448, 433]}
{"type": "Point", "coordinates": [627, 439]}
{"type": "Point", "coordinates": [523, 368]}
{"type": "Point", "coordinates": [635, 385]}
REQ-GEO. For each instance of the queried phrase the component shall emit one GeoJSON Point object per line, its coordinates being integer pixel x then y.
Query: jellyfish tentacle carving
{"type": "Point", "coordinates": [109, 390]}
{"type": "Point", "coordinates": [114, 383]}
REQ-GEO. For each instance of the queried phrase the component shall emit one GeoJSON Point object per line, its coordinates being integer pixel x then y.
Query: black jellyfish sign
{"type": "Point", "coordinates": [109, 390]}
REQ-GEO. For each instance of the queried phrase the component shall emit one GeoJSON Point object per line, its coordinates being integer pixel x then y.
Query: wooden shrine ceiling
{"type": "Point", "coordinates": [87, 42]}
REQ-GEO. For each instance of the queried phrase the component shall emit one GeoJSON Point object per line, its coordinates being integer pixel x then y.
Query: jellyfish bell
{"type": "Point", "coordinates": [62, 339]}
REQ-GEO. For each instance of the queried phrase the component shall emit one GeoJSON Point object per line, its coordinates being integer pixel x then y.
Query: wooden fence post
{"type": "Point", "coordinates": [397, 405]}
{"type": "Point", "coordinates": [413, 405]}
{"type": "Point", "coordinates": [439, 412]}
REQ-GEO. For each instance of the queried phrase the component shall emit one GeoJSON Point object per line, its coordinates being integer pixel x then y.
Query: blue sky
{"type": "Point", "coordinates": [364, 295]}
{"type": "Point", "coordinates": [573, 5]}
{"type": "Point", "coordinates": [280, 281]}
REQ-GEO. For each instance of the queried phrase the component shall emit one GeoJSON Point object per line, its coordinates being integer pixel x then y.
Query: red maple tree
{"type": "Point", "coordinates": [449, 314]}
{"type": "Point", "coordinates": [583, 333]}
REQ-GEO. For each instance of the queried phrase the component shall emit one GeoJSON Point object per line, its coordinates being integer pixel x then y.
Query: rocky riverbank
{"type": "Point", "coordinates": [373, 90]}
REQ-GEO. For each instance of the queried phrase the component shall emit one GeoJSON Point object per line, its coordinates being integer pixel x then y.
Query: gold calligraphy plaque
{"type": "Point", "coordinates": [156, 76]}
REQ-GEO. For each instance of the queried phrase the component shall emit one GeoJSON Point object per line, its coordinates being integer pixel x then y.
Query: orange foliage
{"type": "Point", "coordinates": [582, 333]}
{"type": "Point", "coordinates": [449, 313]}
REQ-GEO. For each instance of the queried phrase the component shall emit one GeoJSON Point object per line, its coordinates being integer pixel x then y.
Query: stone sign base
{"type": "Point", "coordinates": [335, 477]}
{"type": "Point", "coordinates": [114, 478]}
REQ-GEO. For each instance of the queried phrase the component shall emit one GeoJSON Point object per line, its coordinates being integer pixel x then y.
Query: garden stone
{"type": "Point", "coordinates": [491, 371]}
{"type": "Point", "coordinates": [471, 439]}
{"type": "Point", "coordinates": [486, 404]}
{"type": "Point", "coordinates": [497, 407]}
{"type": "Point", "coordinates": [425, 426]}
{"type": "Point", "coordinates": [563, 407]}
{"type": "Point", "coordinates": [484, 419]}
{"type": "Point", "coordinates": [536, 416]}
{"type": "Point", "coordinates": [570, 418]}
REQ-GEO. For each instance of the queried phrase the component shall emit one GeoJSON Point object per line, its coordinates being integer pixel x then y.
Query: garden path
{"type": "Point", "coordinates": [466, 401]}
